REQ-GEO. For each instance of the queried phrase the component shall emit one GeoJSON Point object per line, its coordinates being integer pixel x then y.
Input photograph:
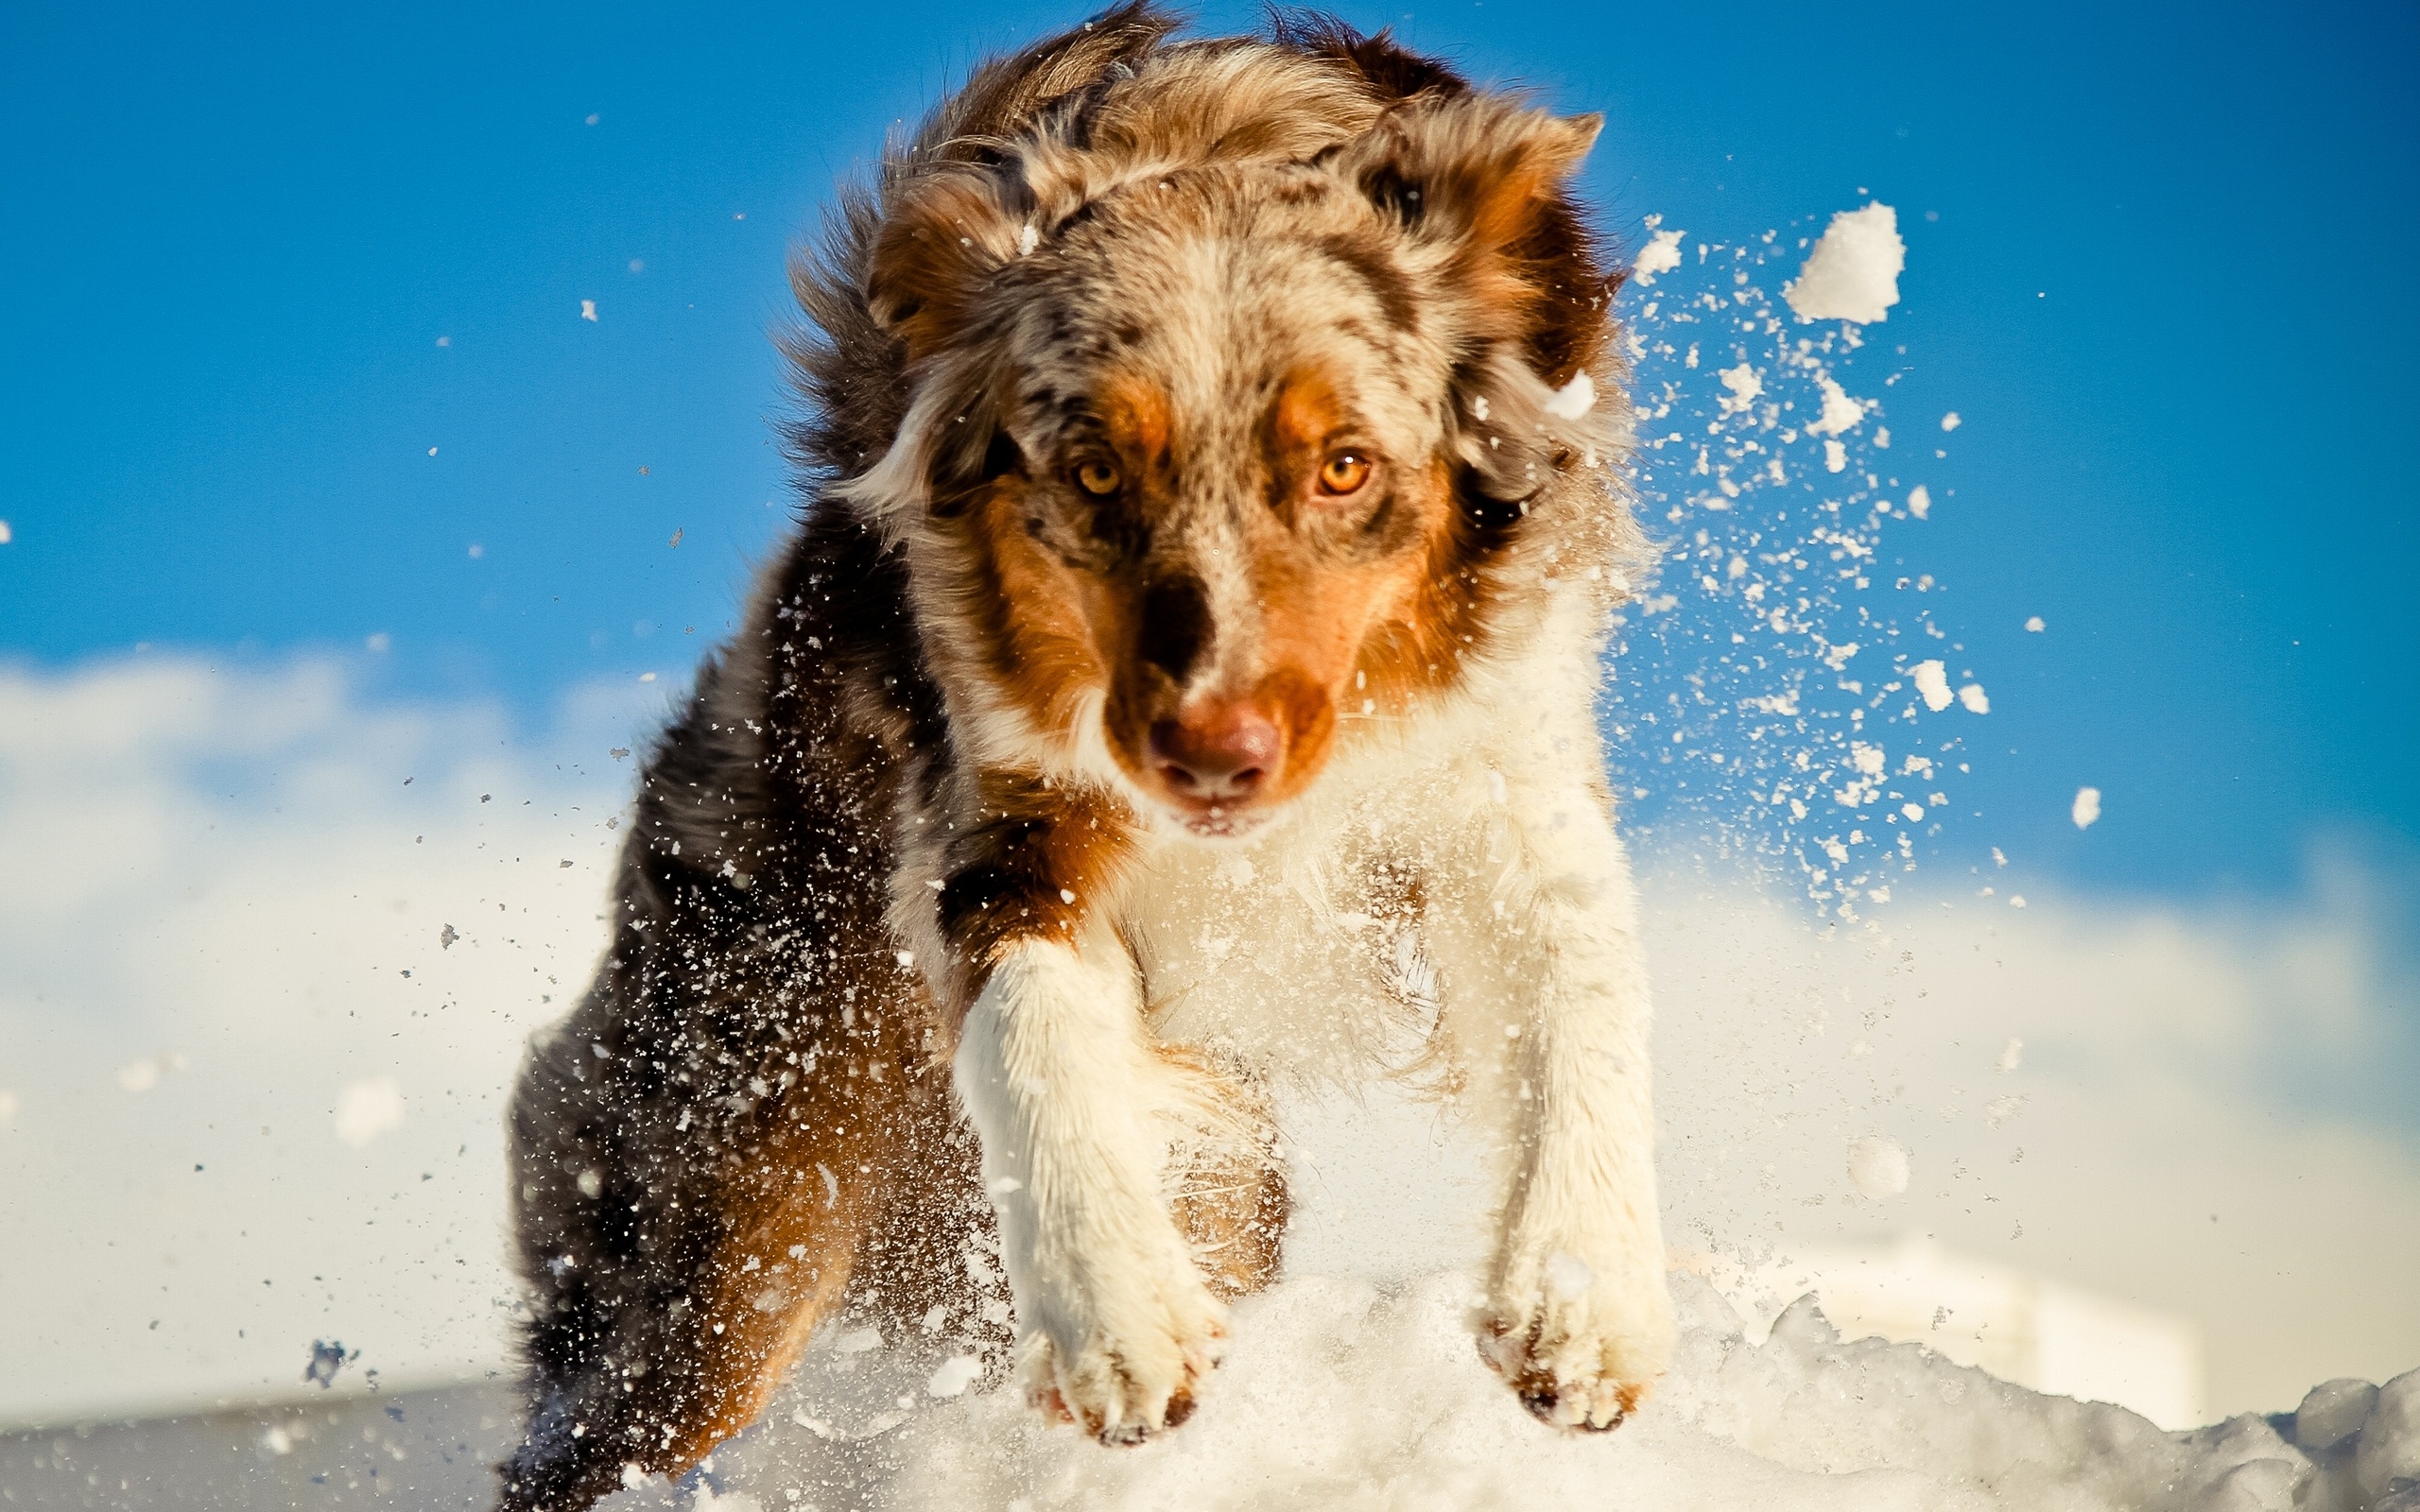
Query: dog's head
{"type": "Point", "coordinates": [1227, 413]}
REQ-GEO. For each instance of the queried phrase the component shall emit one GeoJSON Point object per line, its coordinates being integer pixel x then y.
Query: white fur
{"type": "Point", "coordinates": [1293, 954]}
{"type": "Point", "coordinates": [1054, 1068]}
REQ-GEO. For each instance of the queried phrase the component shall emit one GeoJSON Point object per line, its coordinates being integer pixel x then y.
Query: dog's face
{"type": "Point", "coordinates": [1224, 429]}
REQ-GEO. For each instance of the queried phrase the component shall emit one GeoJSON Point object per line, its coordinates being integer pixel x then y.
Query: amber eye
{"type": "Point", "coordinates": [1344, 472]}
{"type": "Point", "coordinates": [1098, 478]}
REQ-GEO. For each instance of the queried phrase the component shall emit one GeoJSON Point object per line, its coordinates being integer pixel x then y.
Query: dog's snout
{"type": "Point", "coordinates": [1221, 753]}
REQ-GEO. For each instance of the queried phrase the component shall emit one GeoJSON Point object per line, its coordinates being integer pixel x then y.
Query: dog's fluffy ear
{"type": "Point", "coordinates": [1478, 181]}
{"type": "Point", "coordinates": [1478, 176]}
{"type": "Point", "coordinates": [937, 247]}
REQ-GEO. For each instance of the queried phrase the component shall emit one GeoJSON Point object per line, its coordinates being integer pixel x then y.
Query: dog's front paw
{"type": "Point", "coordinates": [1581, 1345]}
{"type": "Point", "coordinates": [1136, 1369]}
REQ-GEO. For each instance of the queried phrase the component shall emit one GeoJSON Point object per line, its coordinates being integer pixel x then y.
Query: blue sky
{"type": "Point", "coordinates": [2164, 290]}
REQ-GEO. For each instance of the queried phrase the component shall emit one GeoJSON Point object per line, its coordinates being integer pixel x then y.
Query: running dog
{"type": "Point", "coordinates": [1180, 683]}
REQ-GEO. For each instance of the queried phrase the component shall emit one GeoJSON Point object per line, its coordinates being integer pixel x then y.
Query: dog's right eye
{"type": "Point", "coordinates": [1098, 478]}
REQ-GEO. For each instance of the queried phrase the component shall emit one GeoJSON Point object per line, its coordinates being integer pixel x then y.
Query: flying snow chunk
{"type": "Point", "coordinates": [1976, 700]}
{"type": "Point", "coordinates": [2086, 808]}
{"type": "Point", "coordinates": [2033, 624]}
{"type": "Point", "coordinates": [1950, 422]}
{"type": "Point", "coordinates": [1920, 501]}
{"type": "Point", "coordinates": [368, 1110]}
{"type": "Point", "coordinates": [8, 1108]}
{"type": "Point", "coordinates": [1933, 681]}
{"type": "Point", "coordinates": [1744, 386]}
{"type": "Point", "coordinates": [1574, 399]}
{"type": "Point", "coordinates": [955, 1376]}
{"type": "Point", "coordinates": [2012, 1056]}
{"type": "Point", "coordinates": [1661, 254]}
{"type": "Point", "coordinates": [1836, 457]}
{"type": "Point", "coordinates": [588, 309]}
{"type": "Point", "coordinates": [5, 536]}
{"type": "Point", "coordinates": [1841, 413]}
{"type": "Point", "coordinates": [1852, 274]}
{"type": "Point", "coordinates": [1878, 1167]}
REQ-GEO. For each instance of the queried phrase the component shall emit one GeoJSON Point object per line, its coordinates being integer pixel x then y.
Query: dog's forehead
{"type": "Point", "coordinates": [1213, 306]}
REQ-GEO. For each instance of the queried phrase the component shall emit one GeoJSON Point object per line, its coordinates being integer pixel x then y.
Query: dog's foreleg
{"type": "Point", "coordinates": [1115, 1323]}
{"type": "Point", "coordinates": [1548, 991]}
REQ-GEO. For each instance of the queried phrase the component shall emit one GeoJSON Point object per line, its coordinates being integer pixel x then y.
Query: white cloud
{"type": "Point", "coordinates": [231, 864]}
{"type": "Point", "coordinates": [368, 1110]}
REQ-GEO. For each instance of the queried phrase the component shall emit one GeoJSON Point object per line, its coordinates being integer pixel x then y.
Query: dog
{"type": "Point", "coordinates": [1178, 685]}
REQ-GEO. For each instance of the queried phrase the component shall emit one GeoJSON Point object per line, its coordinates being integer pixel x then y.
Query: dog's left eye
{"type": "Point", "coordinates": [1098, 478]}
{"type": "Point", "coordinates": [1344, 472]}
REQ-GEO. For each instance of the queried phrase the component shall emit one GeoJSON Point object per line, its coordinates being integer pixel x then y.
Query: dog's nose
{"type": "Point", "coordinates": [1224, 753]}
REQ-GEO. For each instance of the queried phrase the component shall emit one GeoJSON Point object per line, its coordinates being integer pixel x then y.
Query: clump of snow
{"type": "Point", "coordinates": [1852, 274]}
{"type": "Point", "coordinates": [1574, 399]}
{"type": "Point", "coordinates": [1350, 1394]}
{"type": "Point", "coordinates": [1745, 387]}
{"type": "Point", "coordinates": [1976, 700]}
{"type": "Point", "coordinates": [1878, 1167]}
{"type": "Point", "coordinates": [2033, 624]}
{"type": "Point", "coordinates": [1933, 681]}
{"type": "Point", "coordinates": [588, 309]}
{"type": "Point", "coordinates": [368, 1110]}
{"type": "Point", "coordinates": [1950, 422]}
{"type": "Point", "coordinates": [1661, 254]}
{"type": "Point", "coordinates": [2086, 808]}
{"type": "Point", "coordinates": [1920, 501]}
{"type": "Point", "coordinates": [1841, 412]}
{"type": "Point", "coordinates": [7, 1107]}
{"type": "Point", "coordinates": [326, 1359]}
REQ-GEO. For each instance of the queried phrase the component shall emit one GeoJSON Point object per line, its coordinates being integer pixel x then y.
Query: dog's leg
{"type": "Point", "coordinates": [1229, 1184]}
{"type": "Point", "coordinates": [1548, 994]}
{"type": "Point", "coordinates": [681, 1240]}
{"type": "Point", "coordinates": [1115, 1323]}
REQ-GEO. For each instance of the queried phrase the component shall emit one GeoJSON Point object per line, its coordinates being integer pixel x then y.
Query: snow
{"type": "Point", "coordinates": [2085, 811]}
{"type": "Point", "coordinates": [1574, 399]}
{"type": "Point", "coordinates": [1950, 422]}
{"type": "Point", "coordinates": [1920, 501]}
{"type": "Point", "coordinates": [1933, 681]}
{"type": "Point", "coordinates": [1342, 1393]}
{"type": "Point", "coordinates": [1878, 1167]}
{"type": "Point", "coordinates": [1841, 412]}
{"type": "Point", "coordinates": [1661, 254]}
{"type": "Point", "coordinates": [1976, 700]}
{"type": "Point", "coordinates": [1852, 274]}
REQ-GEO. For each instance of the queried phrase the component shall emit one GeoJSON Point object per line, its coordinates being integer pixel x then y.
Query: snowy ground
{"type": "Point", "coordinates": [1335, 1395]}
{"type": "Point", "coordinates": [1352, 1385]}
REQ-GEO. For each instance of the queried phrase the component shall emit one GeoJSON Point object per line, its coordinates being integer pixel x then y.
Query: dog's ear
{"type": "Point", "coordinates": [1481, 180]}
{"type": "Point", "coordinates": [938, 247]}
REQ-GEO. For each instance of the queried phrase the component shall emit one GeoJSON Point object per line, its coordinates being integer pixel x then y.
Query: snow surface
{"type": "Point", "coordinates": [1345, 1394]}
{"type": "Point", "coordinates": [1852, 274]}
{"type": "Point", "coordinates": [1355, 1384]}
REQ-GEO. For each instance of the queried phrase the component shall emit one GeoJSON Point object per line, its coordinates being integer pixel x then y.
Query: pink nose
{"type": "Point", "coordinates": [1222, 753]}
